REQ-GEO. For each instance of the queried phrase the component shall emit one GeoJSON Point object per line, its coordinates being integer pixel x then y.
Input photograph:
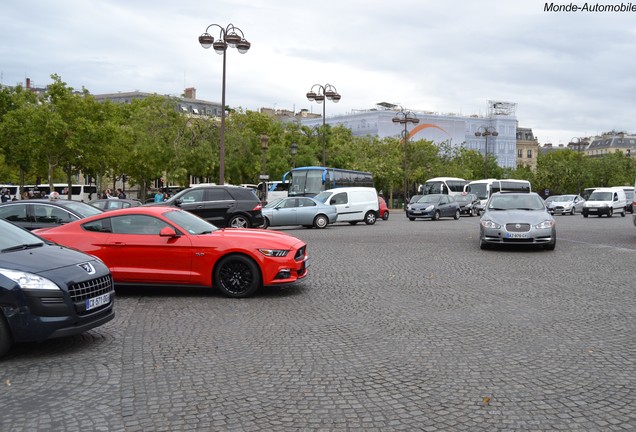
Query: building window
{"type": "Point", "coordinates": [529, 153]}
{"type": "Point", "coordinates": [519, 153]}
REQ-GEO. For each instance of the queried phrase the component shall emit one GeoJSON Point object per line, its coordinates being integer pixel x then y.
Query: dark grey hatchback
{"type": "Point", "coordinates": [223, 206]}
{"type": "Point", "coordinates": [49, 291]}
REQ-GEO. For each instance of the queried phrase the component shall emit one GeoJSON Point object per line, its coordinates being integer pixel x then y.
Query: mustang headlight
{"type": "Point", "coordinates": [274, 252]}
{"type": "Point", "coordinates": [490, 224]}
{"type": "Point", "coordinates": [545, 224]}
{"type": "Point", "coordinates": [29, 281]}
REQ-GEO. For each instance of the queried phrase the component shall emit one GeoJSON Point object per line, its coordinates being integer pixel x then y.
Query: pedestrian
{"type": "Point", "coordinates": [159, 196]}
{"type": "Point", "coordinates": [121, 194]}
{"type": "Point", "coordinates": [5, 195]}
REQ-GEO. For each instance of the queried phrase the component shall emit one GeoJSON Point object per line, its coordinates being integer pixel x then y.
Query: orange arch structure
{"type": "Point", "coordinates": [418, 128]}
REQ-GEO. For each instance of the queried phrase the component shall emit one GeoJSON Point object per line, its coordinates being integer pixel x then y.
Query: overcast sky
{"type": "Point", "coordinates": [572, 74]}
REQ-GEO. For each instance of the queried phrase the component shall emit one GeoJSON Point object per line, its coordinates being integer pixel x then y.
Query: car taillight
{"type": "Point", "coordinates": [258, 207]}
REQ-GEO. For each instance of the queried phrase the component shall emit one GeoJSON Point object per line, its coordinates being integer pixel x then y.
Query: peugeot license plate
{"type": "Point", "coordinates": [98, 301]}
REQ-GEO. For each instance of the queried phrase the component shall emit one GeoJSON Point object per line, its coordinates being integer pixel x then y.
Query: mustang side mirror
{"type": "Point", "coordinates": [168, 232]}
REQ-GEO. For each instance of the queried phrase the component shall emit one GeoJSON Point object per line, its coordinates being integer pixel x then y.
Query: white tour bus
{"type": "Point", "coordinates": [443, 185]}
{"type": "Point", "coordinates": [78, 192]}
{"type": "Point", "coordinates": [486, 187]}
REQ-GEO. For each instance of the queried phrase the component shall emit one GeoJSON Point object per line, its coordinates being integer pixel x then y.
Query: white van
{"type": "Point", "coordinates": [354, 204]}
{"type": "Point", "coordinates": [606, 201]}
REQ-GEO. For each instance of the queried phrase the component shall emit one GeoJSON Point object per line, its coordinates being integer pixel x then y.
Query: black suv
{"type": "Point", "coordinates": [223, 206]}
{"type": "Point", "coordinates": [49, 291]}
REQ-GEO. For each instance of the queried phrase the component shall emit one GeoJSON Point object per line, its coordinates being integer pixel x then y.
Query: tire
{"type": "Point", "coordinates": [584, 214]}
{"type": "Point", "coordinates": [483, 245]}
{"type": "Point", "coordinates": [623, 212]}
{"type": "Point", "coordinates": [265, 223]}
{"type": "Point", "coordinates": [237, 276]}
{"type": "Point", "coordinates": [411, 219]}
{"type": "Point", "coordinates": [353, 222]}
{"type": "Point", "coordinates": [370, 218]}
{"type": "Point", "coordinates": [436, 215]}
{"type": "Point", "coordinates": [5, 336]}
{"type": "Point", "coordinates": [321, 221]}
{"type": "Point", "coordinates": [385, 216]}
{"type": "Point", "coordinates": [572, 212]}
{"type": "Point", "coordinates": [456, 215]}
{"type": "Point", "coordinates": [610, 212]}
{"type": "Point", "coordinates": [239, 221]}
{"type": "Point", "coordinates": [550, 246]}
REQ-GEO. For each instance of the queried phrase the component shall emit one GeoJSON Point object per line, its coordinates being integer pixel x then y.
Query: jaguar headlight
{"type": "Point", "coordinates": [487, 223]}
{"type": "Point", "coordinates": [545, 224]}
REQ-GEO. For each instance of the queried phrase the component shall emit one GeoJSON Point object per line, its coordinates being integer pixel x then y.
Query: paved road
{"type": "Point", "coordinates": [402, 326]}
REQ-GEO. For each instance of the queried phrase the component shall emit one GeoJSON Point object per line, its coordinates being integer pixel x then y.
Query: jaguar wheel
{"type": "Point", "coordinates": [237, 276]}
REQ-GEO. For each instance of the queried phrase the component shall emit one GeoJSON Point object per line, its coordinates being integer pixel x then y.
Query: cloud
{"type": "Point", "coordinates": [571, 74]}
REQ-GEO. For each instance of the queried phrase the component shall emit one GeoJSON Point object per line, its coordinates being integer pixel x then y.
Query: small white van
{"type": "Point", "coordinates": [354, 204]}
{"type": "Point", "coordinates": [606, 201]}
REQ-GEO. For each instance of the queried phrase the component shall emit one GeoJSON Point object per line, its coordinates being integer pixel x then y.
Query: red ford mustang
{"type": "Point", "coordinates": [167, 246]}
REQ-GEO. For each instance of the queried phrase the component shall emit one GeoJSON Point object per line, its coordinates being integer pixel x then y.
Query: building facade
{"type": "Point", "coordinates": [453, 130]}
{"type": "Point", "coordinates": [527, 148]}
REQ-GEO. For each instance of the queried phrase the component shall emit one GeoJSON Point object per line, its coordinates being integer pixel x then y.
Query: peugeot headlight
{"type": "Point", "coordinates": [545, 224]}
{"type": "Point", "coordinates": [29, 281]}
{"type": "Point", "coordinates": [487, 223]}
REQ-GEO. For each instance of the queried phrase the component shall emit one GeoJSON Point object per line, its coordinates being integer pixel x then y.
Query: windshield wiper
{"type": "Point", "coordinates": [22, 247]}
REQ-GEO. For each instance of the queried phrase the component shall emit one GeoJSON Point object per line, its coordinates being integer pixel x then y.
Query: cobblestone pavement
{"type": "Point", "coordinates": [401, 326]}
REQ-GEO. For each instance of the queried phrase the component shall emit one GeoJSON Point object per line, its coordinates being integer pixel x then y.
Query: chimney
{"type": "Point", "coordinates": [28, 83]}
{"type": "Point", "coordinates": [190, 93]}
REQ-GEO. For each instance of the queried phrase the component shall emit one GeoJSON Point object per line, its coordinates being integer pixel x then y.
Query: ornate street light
{"type": "Point", "coordinates": [404, 118]}
{"type": "Point", "coordinates": [486, 131]}
{"type": "Point", "coordinates": [228, 37]}
{"type": "Point", "coordinates": [294, 151]}
{"type": "Point", "coordinates": [329, 92]}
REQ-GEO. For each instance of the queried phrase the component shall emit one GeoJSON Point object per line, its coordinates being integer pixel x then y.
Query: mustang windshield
{"type": "Point", "coordinates": [194, 225]}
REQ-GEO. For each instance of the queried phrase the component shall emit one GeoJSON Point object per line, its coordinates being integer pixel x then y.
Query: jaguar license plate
{"type": "Point", "coordinates": [95, 302]}
{"type": "Point", "coordinates": [517, 235]}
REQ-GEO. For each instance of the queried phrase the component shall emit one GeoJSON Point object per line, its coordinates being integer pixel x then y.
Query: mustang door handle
{"type": "Point", "coordinates": [117, 244]}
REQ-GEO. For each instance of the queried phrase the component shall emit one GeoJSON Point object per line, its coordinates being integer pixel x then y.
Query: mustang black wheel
{"type": "Point", "coordinates": [237, 276]}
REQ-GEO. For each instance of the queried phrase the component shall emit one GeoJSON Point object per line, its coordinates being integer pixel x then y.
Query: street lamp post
{"type": "Point", "coordinates": [264, 176]}
{"type": "Point", "coordinates": [228, 36]}
{"type": "Point", "coordinates": [294, 151]}
{"type": "Point", "coordinates": [404, 118]}
{"type": "Point", "coordinates": [486, 131]}
{"type": "Point", "coordinates": [329, 92]}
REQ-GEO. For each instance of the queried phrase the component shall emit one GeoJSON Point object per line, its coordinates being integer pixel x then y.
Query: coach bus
{"type": "Point", "coordinates": [311, 180]}
{"type": "Point", "coordinates": [78, 192]}
{"type": "Point", "coordinates": [486, 187]}
{"type": "Point", "coordinates": [443, 185]}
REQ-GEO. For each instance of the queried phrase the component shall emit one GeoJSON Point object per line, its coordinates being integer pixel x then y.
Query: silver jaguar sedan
{"type": "Point", "coordinates": [517, 219]}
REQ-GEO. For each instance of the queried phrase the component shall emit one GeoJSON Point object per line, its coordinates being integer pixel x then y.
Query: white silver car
{"type": "Point", "coordinates": [517, 219]}
{"type": "Point", "coordinates": [566, 204]}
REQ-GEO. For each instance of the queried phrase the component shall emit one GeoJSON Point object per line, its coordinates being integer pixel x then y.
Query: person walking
{"type": "Point", "coordinates": [159, 196]}
{"type": "Point", "coordinates": [121, 194]}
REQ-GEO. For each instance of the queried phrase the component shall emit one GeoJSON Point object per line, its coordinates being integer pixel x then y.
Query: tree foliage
{"type": "Point", "coordinates": [62, 133]}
